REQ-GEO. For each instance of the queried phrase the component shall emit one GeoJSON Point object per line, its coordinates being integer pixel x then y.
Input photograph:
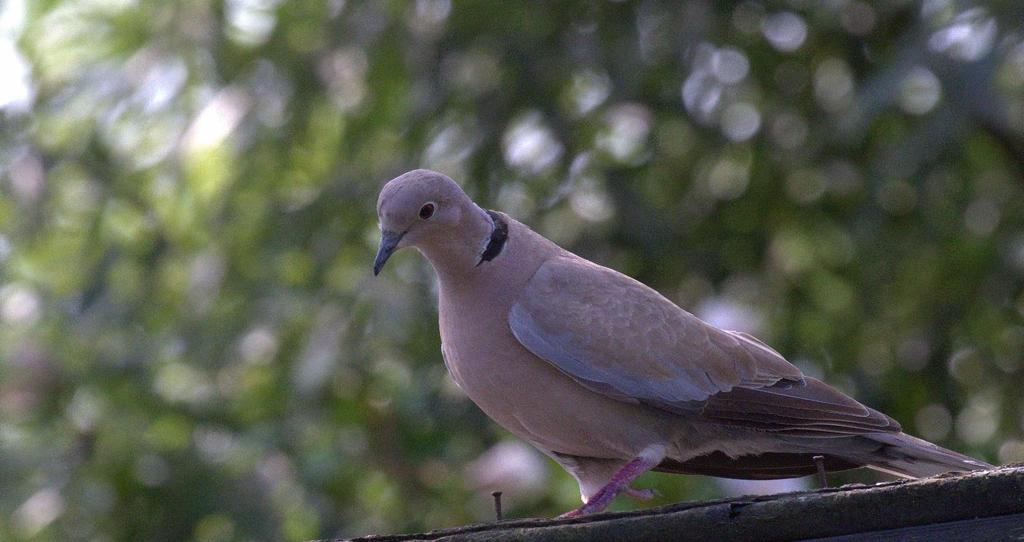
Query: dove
{"type": "Point", "coordinates": [611, 379]}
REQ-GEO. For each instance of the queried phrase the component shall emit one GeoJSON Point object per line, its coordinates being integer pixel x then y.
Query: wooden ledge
{"type": "Point", "coordinates": [979, 506]}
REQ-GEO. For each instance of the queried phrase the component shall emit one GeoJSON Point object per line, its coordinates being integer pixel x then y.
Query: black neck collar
{"type": "Point", "coordinates": [497, 241]}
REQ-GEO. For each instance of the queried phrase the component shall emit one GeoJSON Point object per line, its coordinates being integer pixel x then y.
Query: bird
{"type": "Point", "coordinates": [611, 379]}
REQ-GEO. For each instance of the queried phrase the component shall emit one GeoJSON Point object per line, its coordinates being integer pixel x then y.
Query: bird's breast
{"type": "Point", "coordinates": [530, 397]}
{"type": "Point", "coordinates": [479, 350]}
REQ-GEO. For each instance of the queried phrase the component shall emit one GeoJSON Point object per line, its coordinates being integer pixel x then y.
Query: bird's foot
{"type": "Point", "coordinates": [641, 494]}
{"type": "Point", "coordinates": [596, 504]}
{"type": "Point", "coordinates": [572, 513]}
{"type": "Point", "coordinates": [605, 496]}
{"type": "Point", "coordinates": [619, 483]}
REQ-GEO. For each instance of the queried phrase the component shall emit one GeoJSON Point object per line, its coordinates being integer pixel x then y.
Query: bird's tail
{"type": "Point", "coordinates": [911, 457]}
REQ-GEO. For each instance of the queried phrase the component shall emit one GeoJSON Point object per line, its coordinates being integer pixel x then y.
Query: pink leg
{"type": "Point", "coordinates": [620, 481]}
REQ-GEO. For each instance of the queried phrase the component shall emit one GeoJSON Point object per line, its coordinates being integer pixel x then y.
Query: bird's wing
{"type": "Point", "coordinates": [611, 332]}
{"type": "Point", "coordinates": [620, 338]}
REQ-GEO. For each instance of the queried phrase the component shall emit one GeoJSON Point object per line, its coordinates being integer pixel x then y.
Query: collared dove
{"type": "Point", "coordinates": [611, 379]}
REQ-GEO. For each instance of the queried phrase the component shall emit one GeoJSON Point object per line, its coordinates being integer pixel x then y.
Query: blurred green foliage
{"type": "Point", "coordinates": [192, 346]}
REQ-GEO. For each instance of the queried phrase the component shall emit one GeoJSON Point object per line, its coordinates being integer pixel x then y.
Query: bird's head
{"type": "Point", "coordinates": [420, 208]}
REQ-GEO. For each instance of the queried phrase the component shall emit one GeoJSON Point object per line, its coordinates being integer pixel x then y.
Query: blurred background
{"type": "Point", "coordinates": [192, 345]}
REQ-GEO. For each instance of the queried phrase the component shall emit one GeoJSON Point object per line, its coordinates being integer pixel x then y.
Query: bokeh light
{"type": "Point", "coordinates": [193, 346]}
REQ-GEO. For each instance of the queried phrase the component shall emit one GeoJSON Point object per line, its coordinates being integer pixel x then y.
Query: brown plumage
{"type": "Point", "coordinates": [610, 378]}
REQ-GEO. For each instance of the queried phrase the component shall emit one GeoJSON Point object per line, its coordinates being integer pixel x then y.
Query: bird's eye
{"type": "Point", "coordinates": [427, 211]}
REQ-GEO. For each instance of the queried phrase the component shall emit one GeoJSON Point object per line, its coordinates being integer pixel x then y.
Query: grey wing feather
{"type": "Point", "coordinates": [615, 384]}
{"type": "Point", "coordinates": [620, 338]}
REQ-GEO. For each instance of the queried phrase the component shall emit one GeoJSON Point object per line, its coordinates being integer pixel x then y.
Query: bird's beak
{"type": "Point", "coordinates": [388, 244]}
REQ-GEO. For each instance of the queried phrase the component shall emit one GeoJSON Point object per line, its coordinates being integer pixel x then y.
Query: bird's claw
{"type": "Point", "coordinates": [641, 494]}
{"type": "Point", "coordinates": [592, 507]}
